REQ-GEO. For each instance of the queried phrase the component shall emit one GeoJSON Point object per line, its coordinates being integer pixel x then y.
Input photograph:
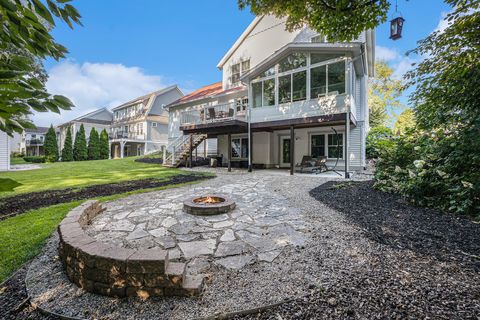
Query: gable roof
{"type": "Point", "coordinates": [40, 130]}
{"type": "Point", "coordinates": [88, 118]}
{"type": "Point", "coordinates": [239, 41]}
{"type": "Point", "coordinates": [210, 91]}
{"type": "Point", "coordinates": [148, 96]}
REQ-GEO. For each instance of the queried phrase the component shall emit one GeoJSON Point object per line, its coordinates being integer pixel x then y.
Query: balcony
{"type": "Point", "coordinates": [34, 142]}
{"type": "Point", "coordinates": [126, 135]}
{"type": "Point", "coordinates": [212, 114]}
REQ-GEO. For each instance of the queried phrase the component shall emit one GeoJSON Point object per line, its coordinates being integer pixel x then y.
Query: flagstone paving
{"type": "Point", "coordinates": [258, 229]}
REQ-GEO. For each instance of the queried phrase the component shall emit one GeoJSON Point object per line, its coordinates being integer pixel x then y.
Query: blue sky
{"type": "Point", "coordinates": [128, 48]}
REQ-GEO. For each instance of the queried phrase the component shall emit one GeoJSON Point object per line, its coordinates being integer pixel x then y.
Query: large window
{"type": "Point", "coordinates": [318, 82]}
{"type": "Point", "coordinates": [335, 145]}
{"type": "Point", "coordinates": [321, 57]}
{"type": "Point", "coordinates": [317, 146]}
{"type": "Point", "coordinates": [336, 77]}
{"type": "Point", "coordinates": [299, 86]}
{"type": "Point", "coordinates": [263, 93]}
{"type": "Point", "coordinates": [239, 148]}
{"type": "Point", "coordinates": [285, 88]}
{"type": "Point", "coordinates": [293, 61]}
{"type": "Point", "coordinates": [327, 79]}
{"type": "Point", "coordinates": [257, 94]}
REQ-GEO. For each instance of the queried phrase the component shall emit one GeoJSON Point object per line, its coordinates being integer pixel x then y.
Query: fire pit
{"type": "Point", "coordinates": [208, 205]}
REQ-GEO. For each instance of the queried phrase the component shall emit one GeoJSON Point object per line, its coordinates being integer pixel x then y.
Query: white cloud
{"type": "Point", "coordinates": [95, 85]}
{"type": "Point", "coordinates": [402, 65]}
{"type": "Point", "coordinates": [443, 23]}
{"type": "Point", "coordinates": [386, 54]}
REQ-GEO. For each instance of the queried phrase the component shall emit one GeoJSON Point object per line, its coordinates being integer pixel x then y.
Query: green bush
{"type": "Point", "coordinates": [80, 152]}
{"type": "Point", "coordinates": [93, 145]}
{"type": "Point", "coordinates": [438, 169]}
{"type": "Point", "coordinates": [378, 138]}
{"type": "Point", "coordinates": [35, 159]}
{"type": "Point", "coordinates": [51, 147]}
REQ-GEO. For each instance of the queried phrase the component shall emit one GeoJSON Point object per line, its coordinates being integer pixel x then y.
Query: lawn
{"type": "Point", "coordinates": [62, 175]}
{"type": "Point", "coordinates": [22, 236]}
{"type": "Point", "coordinates": [17, 160]}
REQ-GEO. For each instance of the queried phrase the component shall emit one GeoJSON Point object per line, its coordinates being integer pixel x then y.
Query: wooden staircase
{"type": "Point", "coordinates": [179, 149]}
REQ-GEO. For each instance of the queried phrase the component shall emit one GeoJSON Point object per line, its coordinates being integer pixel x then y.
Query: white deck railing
{"type": "Point", "coordinates": [209, 114]}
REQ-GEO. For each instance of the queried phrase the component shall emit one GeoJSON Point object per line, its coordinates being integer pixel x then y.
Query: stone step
{"type": "Point", "coordinates": [193, 285]}
{"type": "Point", "coordinates": [175, 272]}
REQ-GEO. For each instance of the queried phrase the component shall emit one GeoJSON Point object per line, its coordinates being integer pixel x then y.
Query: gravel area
{"type": "Point", "coordinates": [346, 270]}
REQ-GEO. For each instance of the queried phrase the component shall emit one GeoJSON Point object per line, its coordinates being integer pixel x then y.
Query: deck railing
{"type": "Point", "coordinates": [209, 114]}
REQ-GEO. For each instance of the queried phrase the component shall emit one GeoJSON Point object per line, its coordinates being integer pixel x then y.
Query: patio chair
{"type": "Point", "coordinates": [211, 114]}
{"type": "Point", "coordinates": [320, 165]}
{"type": "Point", "coordinates": [306, 165]}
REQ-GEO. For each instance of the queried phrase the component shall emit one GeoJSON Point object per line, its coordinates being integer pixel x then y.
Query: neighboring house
{"type": "Point", "coordinates": [295, 93]}
{"type": "Point", "coordinates": [4, 151]}
{"type": "Point", "coordinates": [99, 119]}
{"type": "Point", "coordinates": [32, 141]}
{"type": "Point", "coordinates": [16, 143]}
{"type": "Point", "coordinates": [140, 126]}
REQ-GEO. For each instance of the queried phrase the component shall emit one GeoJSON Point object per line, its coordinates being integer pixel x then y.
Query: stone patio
{"type": "Point", "coordinates": [258, 229]}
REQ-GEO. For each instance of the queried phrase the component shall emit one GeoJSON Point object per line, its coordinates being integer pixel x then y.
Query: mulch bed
{"type": "Point", "coordinates": [150, 160]}
{"type": "Point", "coordinates": [14, 205]}
{"type": "Point", "coordinates": [14, 302]}
{"type": "Point", "coordinates": [390, 220]}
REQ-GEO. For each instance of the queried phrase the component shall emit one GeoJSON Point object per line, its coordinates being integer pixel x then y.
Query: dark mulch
{"type": "Point", "coordinates": [13, 299]}
{"type": "Point", "coordinates": [388, 219]}
{"type": "Point", "coordinates": [150, 160]}
{"type": "Point", "coordinates": [14, 205]}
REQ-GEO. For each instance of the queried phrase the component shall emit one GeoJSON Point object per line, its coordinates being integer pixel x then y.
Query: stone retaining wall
{"type": "Point", "coordinates": [112, 271]}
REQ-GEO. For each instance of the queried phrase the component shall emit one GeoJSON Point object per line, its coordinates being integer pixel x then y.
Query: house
{"type": "Point", "coordinates": [4, 151]}
{"type": "Point", "coordinates": [99, 119]}
{"type": "Point", "coordinates": [32, 140]}
{"type": "Point", "coordinates": [283, 95]}
{"type": "Point", "coordinates": [140, 126]}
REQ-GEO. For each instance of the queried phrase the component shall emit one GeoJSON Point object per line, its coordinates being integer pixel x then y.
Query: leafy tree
{"type": "Point", "coordinates": [67, 152]}
{"type": "Point", "coordinates": [50, 145]}
{"type": "Point", "coordinates": [339, 20]}
{"type": "Point", "coordinates": [94, 145]}
{"type": "Point", "coordinates": [24, 42]}
{"type": "Point", "coordinates": [80, 152]}
{"type": "Point", "coordinates": [383, 94]}
{"type": "Point", "coordinates": [378, 138]}
{"type": "Point", "coordinates": [104, 145]}
{"type": "Point", "coordinates": [406, 120]}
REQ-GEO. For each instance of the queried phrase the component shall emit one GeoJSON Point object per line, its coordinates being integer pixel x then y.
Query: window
{"type": "Point", "coordinates": [245, 66]}
{"type": "Point", "coordinates": [299, 86]}
{"type": "Point", "coordinates": [154, 124]}
{"type": "Point", "coordinates": [319, 39]}
{"type": "Point", "coordinates": [335, 145]}
{"type": "Point", "coordinates": [241, 104]}
{"type": "Point", "coordinates": [239, 148]}
{"type": "Point", "coordinates": [126, 128]}
{"type": "Point", "coordinates": [257, 94]}
{"type": "Point", "coordinates": [284, 88]}
{"type": "Point", "coordinates": [236, 73]}
{"type": "Point", "coordinates": [269, 92]}
{"type": "Point", "coordinates": [321, 57]}
{"type": "Point", "coordinates": [317, 146]}
{"type": "Point", "coordinates": [293, 61]}
{"type": "Point", "coordinates": [318, 82]}
{"type": "Point", "coordinates": [336, 77]}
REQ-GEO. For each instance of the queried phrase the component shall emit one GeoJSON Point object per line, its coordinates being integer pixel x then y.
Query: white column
{"type": "Point", "coordinates": [109, 150]}
{"type": "Point", "coordinates": [164, 154]}
{"type": "Point", "coordinates": [122, 146]}
{"type": "Point", "coordinates": [145, 148]}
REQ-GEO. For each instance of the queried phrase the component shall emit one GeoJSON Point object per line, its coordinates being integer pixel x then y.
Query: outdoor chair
{"type": "Point", "coordinates": [211, 114]}
{"type": "Point", "coordinates": [320, 165]}
{"type": "Point", "coordinates": [306, 165]}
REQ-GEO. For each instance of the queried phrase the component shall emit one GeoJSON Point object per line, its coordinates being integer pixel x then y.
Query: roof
{"type": "Point", "coordinates": [86, 117]}
{"type": "Point", "coordinates": [41, 130]}
{"type": "Point", "coordinates": [210, 91]}
{"type": "Point", "coordinates": [147, 96]}
{"type": "Point", "coordinates": [239, 41]}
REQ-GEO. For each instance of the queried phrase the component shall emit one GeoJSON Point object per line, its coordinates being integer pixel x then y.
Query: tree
{"type": "Point", "coordinates": [404, 121]}
{"type": "Point", "coordinates": [378, 138]}
{"type": "Point", "coordinates": [93, 145]}
{"type": "Point", "coordinates": [67, 151]}
{"type": "Point", "coordinates": [24, 42]}
{"type": "Point", "coordinates": [339, 20]}
{"type": "Point", "coordinates": [50, 145]}
{"type": "Point", "coordinates": [104, 145]}
{"type": "Point", "coordinates": [383, 94]}
{"type": "Point", "coordinates": [80, 152]}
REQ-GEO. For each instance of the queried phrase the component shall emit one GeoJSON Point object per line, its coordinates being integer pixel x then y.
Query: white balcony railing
{"type": "Point", "coordinates": [218, 113]}
{"type": "Point", "coordinates": [127, 135]}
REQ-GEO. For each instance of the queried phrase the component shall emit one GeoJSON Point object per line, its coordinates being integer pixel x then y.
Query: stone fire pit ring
{"type": "Point", "coordinates": [196, 207]}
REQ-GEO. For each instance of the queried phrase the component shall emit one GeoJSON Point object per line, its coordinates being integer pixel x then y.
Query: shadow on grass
{"type": "Point", "coordinates": [388, 219]}
{"type": "Point", "coordinates": [7, 184]}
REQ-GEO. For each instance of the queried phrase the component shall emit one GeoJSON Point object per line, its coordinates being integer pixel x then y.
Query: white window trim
{"type": "Point", "coordinates": [241, 138]}
{"type": "Point", "coordinates": [325, 134]}
{"type": "Point", "coordinates": [154, 124]}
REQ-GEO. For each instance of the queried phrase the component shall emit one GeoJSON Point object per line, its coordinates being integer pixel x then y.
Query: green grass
{"type": "Point", "coordinates": [23, 236]}
{"type": "Point", "coordinates": [62, 175]}
{"type": "Point", "coordinates": [17, 160]}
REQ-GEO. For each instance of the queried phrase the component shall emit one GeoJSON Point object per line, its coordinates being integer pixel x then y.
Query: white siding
{"type": "Point", "coordinates": [4, 152]}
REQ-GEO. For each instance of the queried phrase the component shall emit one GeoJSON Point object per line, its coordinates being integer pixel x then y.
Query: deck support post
{"type": "Point", "coordinates": [229, 152]}
{"type": "Point", "coordinates": [347, 153]}
{"type": "Point", "coordinates": [122, 146]}
{"type": "Point", "coordinates": [292, 150]}
{"type": "Point", "coordinates": [164, 154]}
{"type": "Point", "coordinates": [191, 151]}
{"type": "Point", "coordinates": [250, 151]}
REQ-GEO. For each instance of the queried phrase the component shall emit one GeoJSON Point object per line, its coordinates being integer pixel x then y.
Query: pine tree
{"type": "Point", "coordinates": [67, 152]}
{"type": "Point", "coordinates": [104, 145]}
{"type": "Point", "coordinates": [93, 145]}
{"type": "Point", "coordinates": [51, 146]}
{"type": "Point", "coordinates": [80, 145]}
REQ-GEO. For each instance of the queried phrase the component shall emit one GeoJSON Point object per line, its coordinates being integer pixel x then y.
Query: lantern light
{"type": "Point", "coordinates": [396, 26]}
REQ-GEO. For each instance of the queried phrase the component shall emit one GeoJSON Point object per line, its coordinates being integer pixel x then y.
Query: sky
{"type": "Point", "coordinates": [128, 48]}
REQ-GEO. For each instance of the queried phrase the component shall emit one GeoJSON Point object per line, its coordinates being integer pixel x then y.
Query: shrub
{"type": "Point", "coordinates": [67, 152]}
{"type": "Point", "coordinates": [51, 146]}
{"type": "Point", "coordinates": [437, 169]}
{"type": "Point", "coordinates": [93, 145]}
{"type": "Point", "coordinates": [35, 159]}
{"type": "Point", "coordinates": [80, 145]}
{"type": "Point", "coordinates": [104, 145]}
{"type": "Point", "coordinates": [378, 137]}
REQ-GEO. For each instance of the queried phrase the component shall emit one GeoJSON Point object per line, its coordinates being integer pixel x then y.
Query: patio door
{"type": "Point", "coordinates": [285, 144]}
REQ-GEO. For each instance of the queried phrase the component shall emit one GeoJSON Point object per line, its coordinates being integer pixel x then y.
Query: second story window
{"type": "Point", "coordinates": [235, 73]}
{"type": "Point", "coordinates": [154, 124]}
{"type": "Point", "coordinates": [319, 39]}
{"type": "Point", "coordinates": [241, 104]}
{"type": "Point", "coordinates": [237, 70]}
